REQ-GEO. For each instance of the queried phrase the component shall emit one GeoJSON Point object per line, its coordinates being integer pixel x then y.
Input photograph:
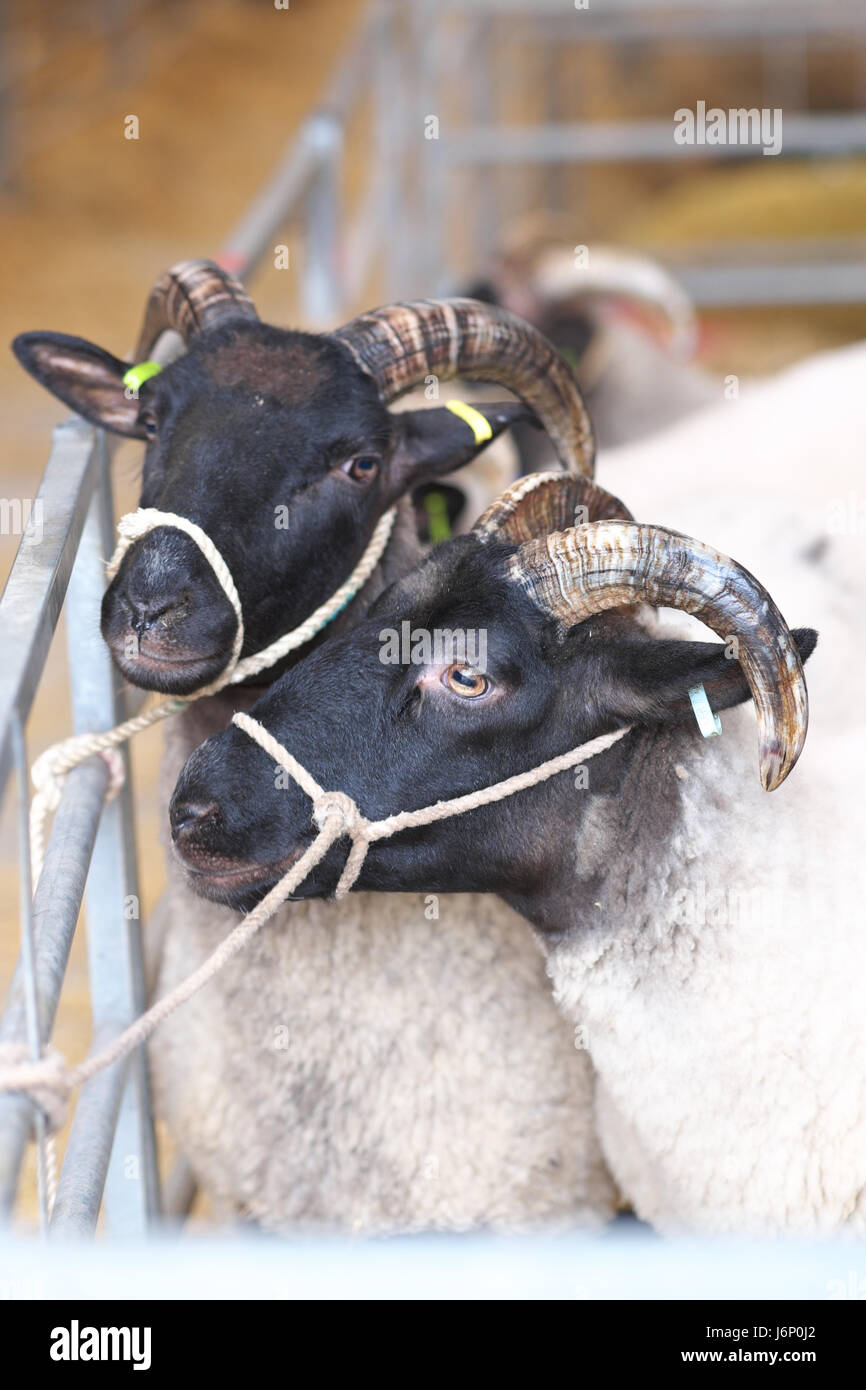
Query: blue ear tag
{"type": "Point", "coordinates": [709, 724]}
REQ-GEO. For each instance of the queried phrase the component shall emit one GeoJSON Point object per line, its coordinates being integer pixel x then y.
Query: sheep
{"type": "Point", "coordinates": [775, 477]}
{"type": "Point", "coordinates": [603, 307]}
{"type": "Point", "coordinates": [629, 331]}
{"type": "Point", "coordinates": [702, 937]}
{"type": "Point", "coordinates": [375, 1066]}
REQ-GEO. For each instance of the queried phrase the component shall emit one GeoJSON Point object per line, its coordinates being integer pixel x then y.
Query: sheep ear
{"type": "Point", "coordinates": [650, 679]}
{"type": "Point", "coordinates": [431, 442]}
{"type": "Point", "coordinates": [83, 376]}
{"type": "Point", "coordinates": [542, 503]}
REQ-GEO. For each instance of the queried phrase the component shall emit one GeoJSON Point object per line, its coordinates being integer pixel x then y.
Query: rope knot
{"type": "Point", "coordinates": [47, 1081]}
{"type": "Point", "coordinates": [337, 813]}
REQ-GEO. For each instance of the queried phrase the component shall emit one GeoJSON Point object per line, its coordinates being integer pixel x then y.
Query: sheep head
{"type": "Point", "coordinates": [566, 658]}
{"type": "Point", "coordinates": [281, 447]}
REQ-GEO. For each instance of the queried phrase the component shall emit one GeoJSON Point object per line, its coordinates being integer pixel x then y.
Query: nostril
{"type": "Point", "coordinates": [146, 613]}
{"type": "Point", "coordinates": [190, 816]}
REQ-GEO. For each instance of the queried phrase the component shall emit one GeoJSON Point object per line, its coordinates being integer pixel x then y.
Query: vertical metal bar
{"type": "Point", "coordinates": [388, 152]}
{"type": "Point", "coordinates": [552, 179]}
{"type": "Point", "coordinates": [321, 293]}
{"type": "Point", "coordinates": [427, 42]}
{"type": "Point", "coordinates": [113, 914]}
{"type": "Point", "coordinates": [485, 181]}
{"type": "Point", "coordinates": [28, 964]}
{"type": "Point", "coordinates": [55, 910]}
{"type": "Point", "coordinates": [89, 1154]}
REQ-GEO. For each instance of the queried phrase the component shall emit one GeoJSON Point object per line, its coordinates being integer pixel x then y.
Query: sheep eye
{"type": "Point", "coordinates": [148, 421]}
{"type": "Point", "coordinates": [466, 681]}
{"type": "Point", "coordinates": [363, 468]}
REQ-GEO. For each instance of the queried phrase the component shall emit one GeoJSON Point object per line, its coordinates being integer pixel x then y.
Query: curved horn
{"type": "Point", "coordinates": [191, 296]}
{"type": "Point", "coordinates": [401, 345]}
{"type": "Point", "coordinates": [541, 503]}
{"type": "Point", "coordinates": [555, 277]}
{"type": "Point", "coordinates": [587, 569]}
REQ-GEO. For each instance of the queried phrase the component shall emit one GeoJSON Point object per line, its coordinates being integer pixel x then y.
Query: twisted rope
{"type": "Point", "coordinates": [332, 807]}
{"type": "Point", "coordinates": [50, 769]}
{"type": "Point", "coordinates": [50, 1082]}
{"type": "Point", "coordinates": [133, 525]}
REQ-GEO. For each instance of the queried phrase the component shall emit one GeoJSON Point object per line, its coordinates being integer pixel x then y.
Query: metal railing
{"type": "Point", "coordinates": [458, 53]}
{"type": "Point", "coordinates": [110, 1160]}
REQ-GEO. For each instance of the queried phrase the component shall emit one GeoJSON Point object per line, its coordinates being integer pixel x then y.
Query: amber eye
{"type": "Point", "coordinates": [363, 468]}
{"type": "Point", "coordinates": [148, 421]}
{"type": "Point", "coordinates": [466, 681]}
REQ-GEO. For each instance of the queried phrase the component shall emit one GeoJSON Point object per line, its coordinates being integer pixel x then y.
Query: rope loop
{"type": "Point", "coordinates": [48, 1081]}
{"type": "Point", "coordinates": [48, 772]}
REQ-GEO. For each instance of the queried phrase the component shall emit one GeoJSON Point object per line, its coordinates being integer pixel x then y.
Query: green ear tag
{"type": "Point", "coordinates": [437, 516]}
{"type": "Point", "coordinates": [140, 373]}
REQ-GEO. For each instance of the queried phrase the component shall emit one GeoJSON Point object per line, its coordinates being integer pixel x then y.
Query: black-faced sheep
{"type": "Point", "coordinates": [704, 937]}
{"type": "Point", "coordinates": [379, 1064]}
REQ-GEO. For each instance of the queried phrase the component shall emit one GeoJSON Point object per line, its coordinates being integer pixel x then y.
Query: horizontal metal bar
{"type": "Point", "coordinates": [34, 592]}
{"type": "Point", "coordinates": [599, 142]}
{"type": "Point", "coordinates": [782, 284]}
{"type": "Point", "coordinates": [56, 905]}
{"type": "Point", "coordinates": [634, 21]}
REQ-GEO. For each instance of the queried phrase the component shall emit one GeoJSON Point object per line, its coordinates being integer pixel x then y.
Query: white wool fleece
{"type": "Point", "coordinates": [719, 987]}
{"type": "Point", "coordinates": [364, 1068]}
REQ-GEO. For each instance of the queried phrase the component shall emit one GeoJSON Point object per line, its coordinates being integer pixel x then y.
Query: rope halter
{"type": "Point", "coordinates": [134, 525]}
{"type": "Point", "coordinates": [335, 813]}
{"type": "Point", "coordinates": [50, 769]}
{"type": "Point", "coordinates": [49, 1082]}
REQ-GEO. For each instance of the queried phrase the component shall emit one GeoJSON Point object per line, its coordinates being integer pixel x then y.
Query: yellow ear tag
{"type": "Point", "coordinates": [473, 418]}
{"type": "Point", "coordinates": [140, 373]}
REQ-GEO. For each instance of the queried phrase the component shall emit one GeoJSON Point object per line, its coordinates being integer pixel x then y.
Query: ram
{"type": "Point", "coordinates": [382, 1064]}
{"type": "Point", "coordinates": [625, 323]}
{"type": "Point", "coordinates": [704, 937]}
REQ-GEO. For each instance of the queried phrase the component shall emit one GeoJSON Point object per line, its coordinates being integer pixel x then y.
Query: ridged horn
{"type": "Point", "coordinates": [557, 278]}
{"type": "Point", "coordinates": [402, 344]}
{"type": "Point", "coordinates": [587, 569]}
{"type": "Point", "coordinates": [192, 295]}
{"type": "Point", "coordinates": [541, 503]}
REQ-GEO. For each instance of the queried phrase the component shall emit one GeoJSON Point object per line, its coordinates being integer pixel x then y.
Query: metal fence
{"type": "Point", "coordinates": [391, 74]}
{"type": "Point", "coordinates": [110, 1160]}
{"type": "Point", "coordinates": [460, 50]}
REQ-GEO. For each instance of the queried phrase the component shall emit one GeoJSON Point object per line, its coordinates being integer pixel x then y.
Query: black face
{"type": "Point", "coordinates": [399, 736]}
{"type": "Point", "coordinates": [277, 448]}
{"type": "Point", "coordinates": [394, 736]}
{"type": "Point", "coordinates": [277, 445]}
